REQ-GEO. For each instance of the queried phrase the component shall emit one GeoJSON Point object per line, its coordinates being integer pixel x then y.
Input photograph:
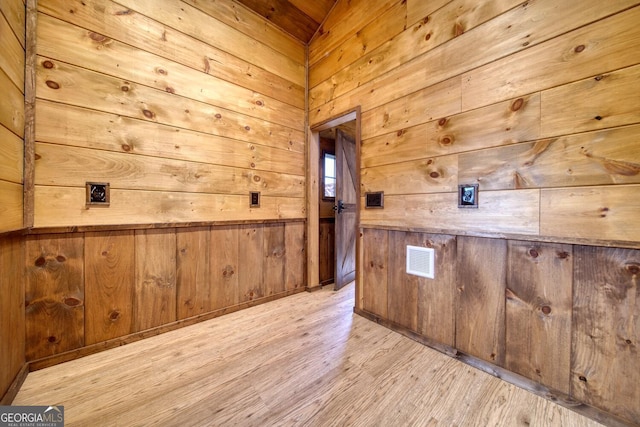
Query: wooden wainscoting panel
{"type": "Point", "coordinates": [224, 266]}
{"type": "Point", "coordinates": [605, 369]}
{"type": "Point", "coordinates": [437, 296]}
{"type": "Point", "coordinates": [12, 314]}
{"type": "Point", "coordinates": [402, 288]}
{"type": "Point", "coordinates": [54, 297]}
{"type": "Point", "coordinates": [155, 267]}
{"type": "Point", "coordinates": [109, 285]}
{"type": "Point", "coordinates": [327, 250]}
{"type": "Point", "coordinates": [142, 282]}
{"type": "Point", "coordinates": [193, 276]}
{"type": "Point", "coordinates": [295, 255]}
{"type": "Point", "coordinates": [538, 312]}
{"type": "Point", "coordinates": [480, 308]}
{"type": "Point", "coordinates": [251, 262]}
{"type": "Point", "coordinates": [274, 259]}
{"type": "Point", "coordinates": [375, 271]}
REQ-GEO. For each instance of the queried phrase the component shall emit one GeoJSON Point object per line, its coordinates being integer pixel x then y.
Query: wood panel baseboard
{"type": "Point", "coordinates": [14, 388]}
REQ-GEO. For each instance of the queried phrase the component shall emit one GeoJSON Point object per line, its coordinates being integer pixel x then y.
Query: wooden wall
{"type": "Point", "coordinates": [184, 107]}
{"type": "Point", "coordinates": [327, 223]}
{"type": "Point", "coordinates": [12, 316]}
{"type": "Point", "coordinates": [564, 316]}
{"type": "Point", "coordinates": [88, 289]}
{"type": "Point", "coordinates": [12, 77]}
{"type": "Point", "coordinates": [538, 103]}
{"type": "Point", "coordinates": [327, 261]}
{"type": "Point", "coordinates": [12, 65]}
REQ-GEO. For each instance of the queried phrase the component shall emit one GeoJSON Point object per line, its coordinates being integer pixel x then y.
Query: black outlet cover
{"type": "Point", "coordinates": [254, 199]}
{"type": "Point", "coordinates": [468, 196]}
{"type": "Point", "coordinates": [374, 199]}
{"type": "Point", "coordinates": [98, 193]}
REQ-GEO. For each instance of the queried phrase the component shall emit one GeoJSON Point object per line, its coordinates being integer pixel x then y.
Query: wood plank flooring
{"type": "Point", "coordinates": [303, 360]}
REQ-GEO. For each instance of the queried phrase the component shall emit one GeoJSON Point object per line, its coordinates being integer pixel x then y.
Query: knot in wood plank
{"type": "Point", "coordinates": [53, 85]}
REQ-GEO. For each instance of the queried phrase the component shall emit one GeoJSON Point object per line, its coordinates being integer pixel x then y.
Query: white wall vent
{"type": "Point", "coordinates": [420, 261]}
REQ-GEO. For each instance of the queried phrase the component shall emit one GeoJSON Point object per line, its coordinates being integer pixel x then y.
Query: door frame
{"type": "Point", "coordinates": [313, 195]}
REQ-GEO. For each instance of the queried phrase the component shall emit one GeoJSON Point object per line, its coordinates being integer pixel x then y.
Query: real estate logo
{"type": "Point", "coordinates": [31, 416]}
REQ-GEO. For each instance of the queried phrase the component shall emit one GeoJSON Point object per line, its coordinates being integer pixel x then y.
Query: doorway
{"type": "Point", "coordinates": [334, 200]}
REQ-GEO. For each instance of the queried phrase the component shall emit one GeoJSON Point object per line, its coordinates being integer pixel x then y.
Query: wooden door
{"type": "Point", "coordinates": [345, 209]}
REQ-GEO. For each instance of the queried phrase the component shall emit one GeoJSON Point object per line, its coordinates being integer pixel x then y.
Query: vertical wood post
{"type": "Point", "coordinates": [29, 113]}
{"type": "Point", "coordinates": [313, 170]}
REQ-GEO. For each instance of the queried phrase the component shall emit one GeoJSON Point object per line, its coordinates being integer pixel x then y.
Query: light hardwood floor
{"type": "Point", "coordinates": [303, 360]}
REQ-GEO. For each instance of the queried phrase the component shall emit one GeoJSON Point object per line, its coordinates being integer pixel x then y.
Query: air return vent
{"type": "Point", "coordinates": [420, 261]}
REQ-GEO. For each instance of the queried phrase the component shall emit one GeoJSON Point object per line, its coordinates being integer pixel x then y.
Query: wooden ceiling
{"type": "Point", "coordinates": [300, 18]}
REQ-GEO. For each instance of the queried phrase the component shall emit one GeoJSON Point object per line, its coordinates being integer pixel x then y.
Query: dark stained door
{"type": "Point", "coordinates": [345, 209]}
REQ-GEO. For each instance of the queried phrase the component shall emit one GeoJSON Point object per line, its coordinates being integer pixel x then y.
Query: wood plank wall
{"type": "Point", "coordinates": [564, 316]}
{"type": "Point", "coordinates": [184, 107]}
{"type": "Point", "coordinates": [12, 66]}
{"type": "Point", "coordinates": [84, 289]}
{"type": "Point", "coordinates": [538, 102]}
{"type": "Point", "coordinates": [12, 316]}
{"type": "Point", "coordinates": [327, 222]}
{"type": "Point", "coordinates": [12, 77]}
{"type": "Point", "coordinates": [327, 261]}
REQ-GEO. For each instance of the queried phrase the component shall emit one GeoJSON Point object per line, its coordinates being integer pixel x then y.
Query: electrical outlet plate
{"type": "Point", "coordinates": [374, 200]}
{"type": "Point", "coordinates": [254, 199]}
{"type": "Point", "coordinates": [98, 193]}
{"type": "Point", "coordinates": [468, 196]}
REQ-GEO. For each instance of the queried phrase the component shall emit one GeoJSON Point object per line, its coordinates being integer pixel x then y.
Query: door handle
{"type": "Point", "coordinates": [339, 207]}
